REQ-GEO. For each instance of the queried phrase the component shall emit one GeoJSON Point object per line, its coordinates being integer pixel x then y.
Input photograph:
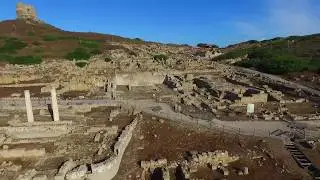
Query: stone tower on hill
{"type": "Point", "coordinates": [26, 12]}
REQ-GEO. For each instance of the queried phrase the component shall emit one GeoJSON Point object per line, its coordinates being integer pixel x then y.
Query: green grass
{"type": "Point", "coordinates": [78, 54]}
{"type": "Point", "coordinates": [25, 60]}
{"type": "Point", "coordinates": [12, 45]}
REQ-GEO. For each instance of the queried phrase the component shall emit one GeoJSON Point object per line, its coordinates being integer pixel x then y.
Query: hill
{"type": "Point", "coordinates": [277, 55]}
{"type": "Point", "coordinates": [25, 42]}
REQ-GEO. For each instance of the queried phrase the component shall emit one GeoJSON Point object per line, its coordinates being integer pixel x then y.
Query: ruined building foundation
{"type": "Point", "coordinates": [28, 106]}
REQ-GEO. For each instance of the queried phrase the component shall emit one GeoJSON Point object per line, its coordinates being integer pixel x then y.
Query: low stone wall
{"type": "Point", "coordinates": [104, 170]}
{"type": "Point", "coordinates": [22, 152]}
{"type": "Point", "coordinates": [254, 98]}
{"type": "Point", "coordinates": [42, 103]}
{"type": "Point", "coordinates": [37, 131]}
{"type": "Point", "coordinates": [139, 79]}
{"type": "Point", "coordinates": [23, 85]}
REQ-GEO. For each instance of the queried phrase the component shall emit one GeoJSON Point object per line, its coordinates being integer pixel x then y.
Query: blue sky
{"type": "Point", "coordinates": [221, 22]}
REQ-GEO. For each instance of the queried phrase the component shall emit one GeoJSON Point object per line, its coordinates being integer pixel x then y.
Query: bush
{"type": "Point", "coordinates": [95, 52]}
{"type": "Point", "coordinates": [11, 45]}
{"type": "Point", "coordinates": [36, 43]}
{"type": "Point", "coordinates": [26, 60]}
{"type": "Point", "coordinates": [81, 64]}
{"type": "Point", "coordinates": [200, 53]}
{"type": "Point", "coordinates": [132, 53]}
{"type": "Point", "coordinates": [6, 58]}
{"type": "Point", "coordinates": [160, 58]}
{"type": "Point", "coordinates": [204, 45]}
{"type": "Point", "coordinates": [30, 33]}
{"type": "Point", "coordinates": [252, 41]}
{"type": "Point", "coordinates": [78, 54]}
{"type": "Point", "coordinates": [274, 63]}
{"type": "Point", "coordinates": [89, 44]}
{"type": "Point", "coordinates": [232, 54]}
{"type": "Point", "coordinates": [38, 50]}
{"type": "Point", "coordinates": [107, 59]}
{"type": "Point", "coordinates": [52, 37]}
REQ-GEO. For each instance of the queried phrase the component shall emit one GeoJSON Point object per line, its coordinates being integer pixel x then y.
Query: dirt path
{"type": "Point", "coordinates": [259, 128]}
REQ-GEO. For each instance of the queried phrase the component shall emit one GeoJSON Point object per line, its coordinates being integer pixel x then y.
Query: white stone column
{"type": "Point", "coordinates": [28, 106]}
{"type": "Point", "coordinates": [54, 105]}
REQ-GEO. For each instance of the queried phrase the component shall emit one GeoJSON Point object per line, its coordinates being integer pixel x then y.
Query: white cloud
{"type": "Point", "coordinates": [294, 17]}
{"type": "Point", "coordinates": [284, 17]}
{"type": "Point", "coordinates": [249, 29]}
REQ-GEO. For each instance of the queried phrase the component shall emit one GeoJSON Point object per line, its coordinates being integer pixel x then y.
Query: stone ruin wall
{"type": "Point", "coordinates": [104, 170]}
{"type": "Point", "coordinates": [26, 12]}
{"type": "Point", "coordinates": [139, 79]}
{"type": "Point", "coordinates": [254, 98]}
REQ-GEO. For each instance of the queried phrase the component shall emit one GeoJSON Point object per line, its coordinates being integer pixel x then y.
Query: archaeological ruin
{"type": "Point", "coordinates": [153, 111]}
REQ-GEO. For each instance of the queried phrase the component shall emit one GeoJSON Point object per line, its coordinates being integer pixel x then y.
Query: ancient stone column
{"type": "Point", "coordinates": [28, 106]}
{"type": "Point", "coordinates": [54, 105]}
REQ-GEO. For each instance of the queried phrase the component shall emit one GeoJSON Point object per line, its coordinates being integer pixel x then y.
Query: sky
{"type": "Point", "coordinates": [221, 22]}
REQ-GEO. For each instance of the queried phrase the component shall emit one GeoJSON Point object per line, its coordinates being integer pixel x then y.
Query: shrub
{"type": "Point", "coordinates": [11, 45]}
{"type": "Point", "coordinates": [138, 39]}
{"type": "Point", "coordinates": [200, 53]}
{"type": "Point", "coordinates": [95, 52]}
{"type": "Point", "coordinates": [89, 44]}
{"type": "Point", "coordinates": [51, 38]}
{"type": "Point", "coordinates": [107, 59]}
{"type": "Point", "coordinates": [279, 63]}
{"type": "Point", "coordinates": [36, 43]}
{"type": "Point", "coordinates": [233, 54]}
{"type": "Point", "coordinates": [38, 50]}
{"type": "Point", "coordinates": [252, 41]}
{"type": "Point", "coordinates": [78, 54]}
{"type": "Point", "coordinates": [30, 33]}
{"type": "Point", "coordinates": [6, 58]}
{"type": "Point", "coordinates": [204, 45]}
{"type": "Point", "coordinates": [160, 58]}
{"type": "Point", "coordinates": [132, 53]}
{"type": "Point", "coordinates": [81, 64]}
{"type": "Point", "coordinates": [27, 60]}
{"type": "Point", "coordinates": [21, 59]}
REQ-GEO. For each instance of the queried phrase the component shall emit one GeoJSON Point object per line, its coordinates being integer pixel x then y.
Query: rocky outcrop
{"type": "Point", "coordinates": [26, 12]}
